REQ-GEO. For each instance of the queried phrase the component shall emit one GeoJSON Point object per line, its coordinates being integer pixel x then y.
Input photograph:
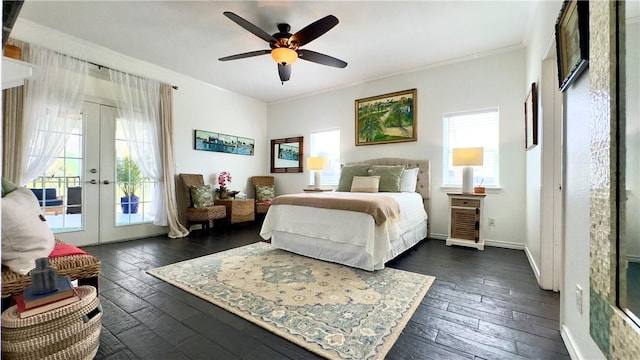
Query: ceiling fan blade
{"type": "Point", "coordinates": [319, 58]}
{"type": "Point", "coordinates": [314, 30]}
{"type": "Point", "coordinates": [250, 27]}
{"type": "Point", "coordinates": [245, 55]}
{"type": "Point", "coordinates": [285, 72]}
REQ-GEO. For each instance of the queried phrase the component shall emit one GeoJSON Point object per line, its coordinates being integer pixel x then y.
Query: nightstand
{"type": "Point", "coordinates": [317, 190]}
{"type": "Point", "coordinates": [466, 216]}
{"type": "Point", "coordinates": [238, 210]}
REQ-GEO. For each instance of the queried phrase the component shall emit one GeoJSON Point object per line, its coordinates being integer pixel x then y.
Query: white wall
{"type": "Point", "coordinates": [539, 40]}
{"type": "Point", "coordinates": [484, 82]}
{"type": "Point", "coordinates": [196, 105]}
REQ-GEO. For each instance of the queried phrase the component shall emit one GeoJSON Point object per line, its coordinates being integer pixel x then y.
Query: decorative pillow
{"type": "Point", "coordinates": [390, 176]}
{"type": "Point", "coordinates": [265, 193]}
{"type": "Point", "coordinates": [365, 184]}
{"type": "Point", "coordinates": [409, 180]}
{"type": "Point", "coordinates": [25, 233]}
{"type": "Point", "coordinates": [7, 187]}
{"type": "Point", "coordinates": [202, 196]}
{"type": "Point", "coordinates": [348, 172]}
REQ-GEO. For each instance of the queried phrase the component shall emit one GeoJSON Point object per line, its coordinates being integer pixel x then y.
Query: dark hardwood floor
{"type": "Point", "coordinates": [483, 305]}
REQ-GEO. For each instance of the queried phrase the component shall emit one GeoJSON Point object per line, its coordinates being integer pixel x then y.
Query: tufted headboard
{"type": "Point", "coordinates": [424, 177]}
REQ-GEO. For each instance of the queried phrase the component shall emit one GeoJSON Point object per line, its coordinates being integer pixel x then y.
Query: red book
{"type": "Point", "coordinates": [24, 312]}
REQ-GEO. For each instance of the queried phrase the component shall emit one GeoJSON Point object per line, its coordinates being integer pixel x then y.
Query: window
{"type": "Point", "coordinates": [326, 143]}
{"type": "Point", "coordinates": [478, 128]}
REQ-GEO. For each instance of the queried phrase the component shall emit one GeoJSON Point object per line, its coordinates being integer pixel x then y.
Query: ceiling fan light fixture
{"type": "Point", "coordinates": [284, 56]}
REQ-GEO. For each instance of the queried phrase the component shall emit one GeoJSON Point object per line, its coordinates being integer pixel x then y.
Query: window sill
{"type": "Point", "coordinates": [458, 189]}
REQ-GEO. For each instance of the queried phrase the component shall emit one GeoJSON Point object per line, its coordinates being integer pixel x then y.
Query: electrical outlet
{"type": "Point", "coordinates": [579, 298]}
{"type": "Point", "coordinates": [492, 223]}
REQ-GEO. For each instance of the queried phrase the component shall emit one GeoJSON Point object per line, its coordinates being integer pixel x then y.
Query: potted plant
{"type": "Point", "coordinates": [129, 178]}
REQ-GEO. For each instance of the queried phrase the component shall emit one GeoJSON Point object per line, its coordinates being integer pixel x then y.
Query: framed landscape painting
{"type": "Point", "coordinates": [387, 118]}
{"type": "Point", "coordinates": [231, 144]}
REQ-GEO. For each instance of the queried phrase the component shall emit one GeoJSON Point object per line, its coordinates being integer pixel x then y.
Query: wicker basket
{"type": "Point", "coordinates": [63, 333]}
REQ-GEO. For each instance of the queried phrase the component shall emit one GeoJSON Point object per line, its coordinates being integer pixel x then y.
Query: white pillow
{"type": "Point", "coordinates": [409, 180]}
{"type": "Point", "coordinates": [25, 234]}
{"type": "Point", "coordinates": [365, 184]}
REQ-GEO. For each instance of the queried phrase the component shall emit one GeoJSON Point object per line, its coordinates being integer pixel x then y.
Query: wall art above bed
{"type": "Point", "coordinates": [210, 141]}
{"type": "Point", "coordinates": [387, 118]}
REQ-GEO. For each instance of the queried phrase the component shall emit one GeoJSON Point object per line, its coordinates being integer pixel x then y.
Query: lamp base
{"type": "Point", "coordinates": [317, 182]}
{"type": "Point", "coordinates": [467, 180]}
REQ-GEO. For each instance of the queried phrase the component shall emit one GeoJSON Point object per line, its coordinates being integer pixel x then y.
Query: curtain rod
{"type": "Point", "coordinates": [108, 68]}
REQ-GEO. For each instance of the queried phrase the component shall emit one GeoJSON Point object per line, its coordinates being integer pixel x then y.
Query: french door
{"type": "Point", "coordinates": [91, 167]}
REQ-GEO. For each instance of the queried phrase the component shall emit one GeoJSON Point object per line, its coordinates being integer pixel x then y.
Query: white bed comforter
{"type": "Point", "coordinates": [348, 227]}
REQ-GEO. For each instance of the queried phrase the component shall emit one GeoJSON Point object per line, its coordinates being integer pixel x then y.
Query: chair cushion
{"type": "Point", "coordinates": [202, 196]}
{"type": "Point", "coordinates": [25, 233]}
{"type": "Point", "coordinates": [265, 193]}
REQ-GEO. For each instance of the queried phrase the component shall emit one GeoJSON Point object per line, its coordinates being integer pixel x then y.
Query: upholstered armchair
{"type": "Point", "coordinates": [199, 212]}
{"type": "Point", "coordinates": [264, 188]}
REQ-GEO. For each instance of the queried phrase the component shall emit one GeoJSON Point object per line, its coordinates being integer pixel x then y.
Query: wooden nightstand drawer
{"type": "Point", "coordinates": [465, 203]}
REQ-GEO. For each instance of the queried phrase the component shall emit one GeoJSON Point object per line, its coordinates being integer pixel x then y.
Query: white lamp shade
{"type": "Point", "coordinates": [317, 163]}
{"type": "Point", "coordinates": [468, 156]}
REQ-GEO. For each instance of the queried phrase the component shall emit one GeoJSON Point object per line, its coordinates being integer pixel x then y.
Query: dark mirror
{"type": "Point", "coordinates": [286, 155]}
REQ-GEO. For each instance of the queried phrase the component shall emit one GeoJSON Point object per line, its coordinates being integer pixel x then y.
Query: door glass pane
{"type": "Point", "coordinates": [134, 190]}
{"type": "Point", "coordinates": [59, 189]}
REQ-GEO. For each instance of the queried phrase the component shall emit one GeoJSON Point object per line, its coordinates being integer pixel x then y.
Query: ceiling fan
{"type": "Point", "coordinates": [285, 48]}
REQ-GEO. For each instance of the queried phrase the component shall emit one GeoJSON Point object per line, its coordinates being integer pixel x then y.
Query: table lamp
{"type": "Point", "coordinates": [317, 164]}
{"type": "Point", "coordinates": [467, 157]}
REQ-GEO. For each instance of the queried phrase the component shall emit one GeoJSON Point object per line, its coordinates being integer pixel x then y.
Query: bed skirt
{"type": "Point", "coordinates": [347, 254]}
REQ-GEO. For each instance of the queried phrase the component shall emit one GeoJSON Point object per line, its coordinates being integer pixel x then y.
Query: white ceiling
{"type": "Point", "coordinates": [376, 38]}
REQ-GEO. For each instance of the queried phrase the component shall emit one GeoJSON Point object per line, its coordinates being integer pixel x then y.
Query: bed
{"type": "Point", "coordinates": [351, 237]}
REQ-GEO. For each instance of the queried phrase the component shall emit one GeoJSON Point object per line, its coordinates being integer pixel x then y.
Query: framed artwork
{"type": "Point", "coordinates": [531, 119]}
{"type": "Point", "coordinates": [572, 41]}
{"type": "Point", "coordinates": [286, 155]}
{"type": "Point", "coordinates": [387, 118]}
{"type": "Point", "coordinates": [210, 141]}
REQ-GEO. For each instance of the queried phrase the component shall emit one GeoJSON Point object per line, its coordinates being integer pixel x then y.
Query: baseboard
{"type": "Point", "coordinates": [439, 236]}
{"type": "Point", "coordinates": [503, 244]}
{"type": "Point", "coordinates": [487, 242]}
{"type": "Point", "coordinates": [569, 343]}
{"type": "Point", "coordinates": [532, 263]}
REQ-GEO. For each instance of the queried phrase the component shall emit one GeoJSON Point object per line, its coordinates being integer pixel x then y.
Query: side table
{"type": "Point", "coordinates": [238, 210]}
{"type": "Point", "coordinates": [68, 332]}
{"type": "Point", "coordinates": [466, 219]}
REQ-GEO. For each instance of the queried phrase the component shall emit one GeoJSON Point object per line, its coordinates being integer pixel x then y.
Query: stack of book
{"type": "Point", "coordinates": [30, 304]}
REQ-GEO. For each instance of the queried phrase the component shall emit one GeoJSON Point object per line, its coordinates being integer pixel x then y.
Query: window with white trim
{"type": "Point", "coordinates": [326, 143]}
{"type": "Point", "coordinates": [478, 128]}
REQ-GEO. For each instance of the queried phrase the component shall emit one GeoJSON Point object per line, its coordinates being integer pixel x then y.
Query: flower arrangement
{"type": "Point", "coordinates": [223, 179]}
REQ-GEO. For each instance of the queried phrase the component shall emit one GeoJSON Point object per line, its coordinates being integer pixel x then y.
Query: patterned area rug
{"type": "Point", "coordinates": [335, 311]}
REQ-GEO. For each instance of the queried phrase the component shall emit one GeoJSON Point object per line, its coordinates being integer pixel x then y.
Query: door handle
{"type": "Point", "coordinates": [93, 181]}
{"type": "Point", "coordinates": [106, 182]}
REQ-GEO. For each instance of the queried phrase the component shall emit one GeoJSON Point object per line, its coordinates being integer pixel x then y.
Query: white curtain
{"type": "Point", "coordinates": [138, 103]}
{"type": "Point", "coordinates": [51, 100]}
